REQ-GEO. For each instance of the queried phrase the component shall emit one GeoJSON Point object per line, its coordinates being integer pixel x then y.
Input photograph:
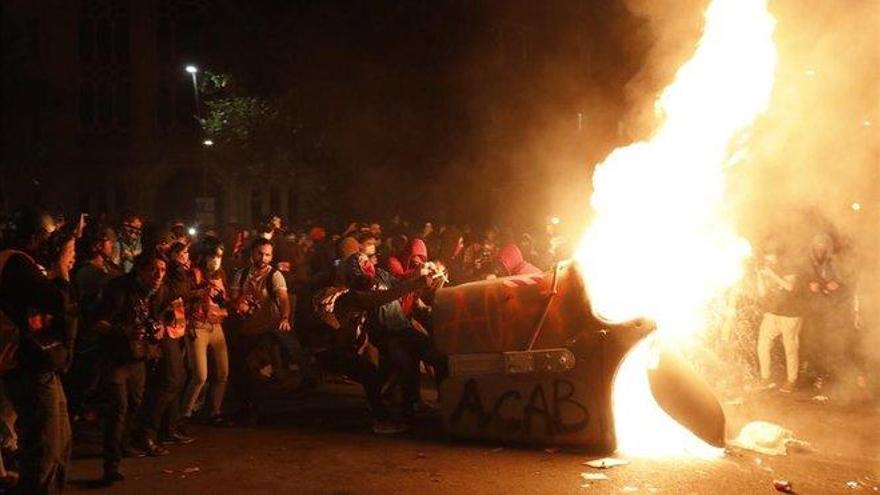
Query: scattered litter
{"type": "Point", "coordinates": [190, 470]}
{"type": "Point", "coordinates": [853, 484]}
{"type": "Point", "coordinates": [168, 471]}
{"type": "Point", "coordinates": [495, 451]}
{"type": "Point", "coordinates": [606, 463]}
{"type": "Point", "coordinates": [783, 486]}
{"type": "Point", "coordinates": [421, 455]}
{"type": "Point", "coordinates": [551, 450]}
{"type": "Point", "coordinates": [735, 402]}
{"type": "Point", "coordinates": [820, 398]}
{"type": "Point", "coordinates": [593, 476]}
{"type": "Point", "coordinates": [183, 476]}
{"type": "Point", "coordinates": [767, 438]}
{"type": "Point", "coordinates": [630, 489]}
{"type": "Point", "coordinates": [589, 478]}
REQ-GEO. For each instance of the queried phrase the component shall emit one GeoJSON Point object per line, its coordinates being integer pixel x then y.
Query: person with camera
{"type": "Point", "coordinates": [206, 317]}
{"type": "Point", "coordinates": [43, 315]}
{"type": "Point", "coordinates": [167, 378]}
{"type": "Point", "coordinates": [129, 319]}
{"type": "Point", "coordinates": [777, 285]}
{"type": "Point", "coordinates": [260, 299]}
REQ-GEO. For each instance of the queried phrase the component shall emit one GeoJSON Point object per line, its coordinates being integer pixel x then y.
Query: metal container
{"type": "Point", "coordinates": [529, 361]}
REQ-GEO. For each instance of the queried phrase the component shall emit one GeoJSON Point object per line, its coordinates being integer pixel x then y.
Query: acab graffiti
{"type": "Point", "coordinates": [561, 414]}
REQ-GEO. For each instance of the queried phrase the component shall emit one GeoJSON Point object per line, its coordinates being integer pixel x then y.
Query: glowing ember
{"type": "Point", "coordinates": [660, 245]}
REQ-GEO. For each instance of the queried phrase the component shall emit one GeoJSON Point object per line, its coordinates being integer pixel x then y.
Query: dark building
{"type": "Point", "coordinates": [100, 115]}
{"type": "Point", "coordinates": [492, 99]}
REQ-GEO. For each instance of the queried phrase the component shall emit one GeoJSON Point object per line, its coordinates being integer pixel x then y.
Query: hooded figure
{"type": "Point", "coordinates": [411, 258]}
{"type": "Point", "coordinates": [510, 262]}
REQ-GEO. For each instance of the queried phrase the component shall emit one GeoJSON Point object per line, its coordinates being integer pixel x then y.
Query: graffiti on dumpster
{"type": "Point", "coordinates": [531, 409]}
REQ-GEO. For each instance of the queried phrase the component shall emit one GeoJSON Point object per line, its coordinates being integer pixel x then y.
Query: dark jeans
{"type": "Point", "coordinates": [402, 352]}
{"type": "Point", "coordinates": [360, 369]}
{"type": "Point", "coordinates": [124, 385]}
{"type": "Point", "coordinates": [45, 441]}
{"type": "Point", "coordinates": [240, 375]}
{"type": "Point", "coordinates": [165, 384]}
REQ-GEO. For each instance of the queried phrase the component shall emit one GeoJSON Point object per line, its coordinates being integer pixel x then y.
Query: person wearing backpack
{"type": "Point", "coordinates": [259, 298]}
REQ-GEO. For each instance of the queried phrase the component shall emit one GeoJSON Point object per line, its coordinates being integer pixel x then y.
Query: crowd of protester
{"type": "Point", "coordinates": [139, 328]}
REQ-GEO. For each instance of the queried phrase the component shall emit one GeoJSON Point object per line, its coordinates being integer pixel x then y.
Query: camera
{"type": "Point", "coordinates": [152, 330]}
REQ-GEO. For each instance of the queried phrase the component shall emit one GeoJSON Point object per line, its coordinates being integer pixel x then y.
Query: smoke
{"type": "Point", "coordinates": [672, 28]}
{"type": "Point", "coordinates": [814, 157]}
{"type": "Point", "coordinates": [811, 167]}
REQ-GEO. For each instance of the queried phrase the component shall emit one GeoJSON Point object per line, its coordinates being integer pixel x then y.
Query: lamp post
{"type": "Point", "coordinates": [193, 71]}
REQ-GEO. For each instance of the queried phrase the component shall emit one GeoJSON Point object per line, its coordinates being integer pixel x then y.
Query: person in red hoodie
{"type": "Point", "coordinates": [510, 262]}
{"type": "Point", "coordinates": [412, 258]}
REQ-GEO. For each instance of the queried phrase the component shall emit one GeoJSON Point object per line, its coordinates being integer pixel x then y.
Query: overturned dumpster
{"type": "Point", "coordinates": [529, 362]}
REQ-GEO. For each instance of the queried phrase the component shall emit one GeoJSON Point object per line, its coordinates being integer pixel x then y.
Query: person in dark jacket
{"type": "Point", "coordinates": [130, 319]}
{"type": "Point", "coordinates": [350, 340]}
{"type": "Point", "coordinates": [40, 309]}
{"type": "Point", "coordinates": [165, 383]}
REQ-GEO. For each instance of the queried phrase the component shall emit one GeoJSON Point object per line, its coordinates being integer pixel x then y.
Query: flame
{"type": "Point", "coordinates": [660, 245]}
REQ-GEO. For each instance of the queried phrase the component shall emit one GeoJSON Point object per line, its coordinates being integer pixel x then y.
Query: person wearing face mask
{"type": "Point", "coordinates": [128, 246]}
{"type": "Point", "coordinates": [349, 337]}
{"type": "Point", "coordinates": [369, 245]}
{"type": "Point", "coordinates": [831, 323]}
{"type": "Point", "coordinates": [778, 281]}
{"type": "Point", "coordinates": [206, 331]}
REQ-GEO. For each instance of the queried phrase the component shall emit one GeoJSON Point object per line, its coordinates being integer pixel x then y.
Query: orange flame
{"type": "Point", "coordinates": [660, 245]}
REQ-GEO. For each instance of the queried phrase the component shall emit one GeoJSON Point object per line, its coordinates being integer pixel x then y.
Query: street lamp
{"type": "Point", "coordinates": [193, 70]}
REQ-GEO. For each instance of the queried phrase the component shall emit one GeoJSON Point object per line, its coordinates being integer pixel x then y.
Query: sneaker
{"type": "Point", "coordinates": [112, 476]}
{"type": "Point", "coordinates": [219, 421]}
{"type": "Point", "coordinates": [389, 427]}
{"type": "Point", "coordinates": [177, 438]}
{"type": "Point", "coordinates": [787, 388]}
{"type": "Point", "coordinates": [154, 450]}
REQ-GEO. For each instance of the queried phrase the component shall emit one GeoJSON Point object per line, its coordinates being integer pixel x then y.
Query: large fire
{"type": "Point", "coordinates": [661, 245]}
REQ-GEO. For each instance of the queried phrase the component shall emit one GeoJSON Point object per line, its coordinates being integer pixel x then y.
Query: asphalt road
{"type": "Point", "coordinates": [322, 445]}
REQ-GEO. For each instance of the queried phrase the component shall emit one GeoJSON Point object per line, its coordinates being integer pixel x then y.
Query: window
{"type": "Point", "coordinates": [105, 67]}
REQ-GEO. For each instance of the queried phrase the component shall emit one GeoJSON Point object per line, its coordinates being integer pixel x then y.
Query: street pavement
{"type": "Point", "coordinates": [322, 444]}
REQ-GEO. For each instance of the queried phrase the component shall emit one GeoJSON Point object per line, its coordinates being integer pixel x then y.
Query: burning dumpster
{"type": "Point", "coordinates": [529, 362]}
